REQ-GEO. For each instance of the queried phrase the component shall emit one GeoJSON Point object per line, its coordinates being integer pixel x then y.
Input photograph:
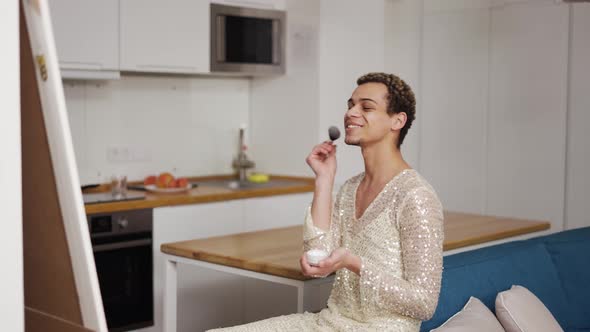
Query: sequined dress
{"type": "Point", "coordinates": [399, 239]}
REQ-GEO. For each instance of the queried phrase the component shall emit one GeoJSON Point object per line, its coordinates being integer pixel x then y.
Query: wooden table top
{"type": "Point", "coordinates": [277, 251]}
{"type": "Point", "coordinates": [202, 194]}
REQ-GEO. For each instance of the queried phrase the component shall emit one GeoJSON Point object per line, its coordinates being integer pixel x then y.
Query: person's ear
{"type": "Point", "coordinates": [398, 121]}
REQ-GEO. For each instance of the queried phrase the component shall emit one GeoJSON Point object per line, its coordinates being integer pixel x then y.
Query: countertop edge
{"type": "Point", "coordinates": [174, 200]}
{"type": "Point", "coordinates": [541, 226]}
{"type": "Point", "coordinates": [254, 266]}
{"type": "Point", "coordinates": [282, 271]}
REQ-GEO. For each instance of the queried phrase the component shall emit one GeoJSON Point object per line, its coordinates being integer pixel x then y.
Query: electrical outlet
{"type": "Point", "coordinates": [118, 154]}
{"type": "Point", "coordinates": [125, 154]}
{"type": "Point", "coordinates": [140, 154]}
{"type": "Point", "coordinates": [112, 154]}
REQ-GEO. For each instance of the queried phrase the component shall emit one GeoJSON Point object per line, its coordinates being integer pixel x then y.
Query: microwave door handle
{"type": "Point", "coordinates": [121, 245]}
{"type": "Point", "coordinates": [220, 38]}
{"type": "Point", "coordinates": [276, 40]}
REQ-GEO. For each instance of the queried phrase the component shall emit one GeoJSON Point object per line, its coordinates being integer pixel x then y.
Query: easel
{"type": "Point", "coordinates": [60, 283]}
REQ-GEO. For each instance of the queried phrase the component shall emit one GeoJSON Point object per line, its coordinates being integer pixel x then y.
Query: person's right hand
{"type": "Point", "coordinates": [322, 159]}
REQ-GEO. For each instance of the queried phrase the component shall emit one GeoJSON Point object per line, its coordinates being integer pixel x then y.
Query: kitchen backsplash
{"type": "Point", "coordinates": [141, 125]}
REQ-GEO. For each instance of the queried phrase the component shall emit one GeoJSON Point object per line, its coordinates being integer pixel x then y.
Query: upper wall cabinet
{"type": "Point", "coordinates": [262, 4]}
{"type": "Point", "coordinates": [87, 37]}
{"type": "Point", "coordinates": [165, 36]}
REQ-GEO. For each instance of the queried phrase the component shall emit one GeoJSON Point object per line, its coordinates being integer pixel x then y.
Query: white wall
{"type": "Point", "coordinates": [11, 250]}
{"type": "Point", "coordinates": [330, 44]}
{"type": "Point", "coordinates": [527, 114]}
{"type": "Point", "coordinates": [351, 44]}
{"type": "Point", "coordinates": [284, 109]}
{"type": "Point", "coordinates": [493, 87]}
{"type": "Point", "coordinates": [188, 126]}
{"type": "Point", "coordinates": [492, 90]}
{"type": "Point", "coordinates": [454, 103]}
{"type": "Point", "coordinates": [403, 48]}
{"type": "Point", "coordinates": [491, 126]}
{"type": "Point", "coordinates": [578, 132]}
{"type": "Point", "coordinates": [481, 136]}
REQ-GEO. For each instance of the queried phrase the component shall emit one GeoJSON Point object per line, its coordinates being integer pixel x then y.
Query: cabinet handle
{"type": "Point", "coordinates": [80, 65]}
{"type": "Point", "coordinates": [121, 245]}
{"type": "Point", "coordinates": [276, 47]}
{"type": "Point", "coordinates": [220, 38]}
{"type": "Point", "coordinates": [168, 67]}
{"type": "Point", "coordinates": [258, 4]}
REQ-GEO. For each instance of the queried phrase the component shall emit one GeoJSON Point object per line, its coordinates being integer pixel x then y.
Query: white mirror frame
{"type": "Point", "coordinates": [61, 148]}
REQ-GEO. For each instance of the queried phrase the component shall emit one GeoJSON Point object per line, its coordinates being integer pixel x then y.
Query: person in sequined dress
{"type": "Point", "coordinates": [384, 229]}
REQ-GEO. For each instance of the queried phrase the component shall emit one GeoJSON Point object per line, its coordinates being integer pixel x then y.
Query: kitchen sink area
{"type": "Point", "coordinates": [204, 189]}
{"type": "Point", "coordinates": [243, 185]}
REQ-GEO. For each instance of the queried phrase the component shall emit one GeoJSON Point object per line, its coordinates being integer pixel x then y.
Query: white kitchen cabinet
{"type": "Point", "coordinates": [206, 298]}
{"type": "Point", "coordinates": [165, 36]}
{"type": "Point", "coordinates": [275, 211]}
{"type": "Point", "coordinates": [266, 299]}
{"type": "Point", "coordinates": [87, 37]}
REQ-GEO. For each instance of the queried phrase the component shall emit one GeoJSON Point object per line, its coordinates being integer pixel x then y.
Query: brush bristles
{"type": "Point", "coordinates": [334, 133]}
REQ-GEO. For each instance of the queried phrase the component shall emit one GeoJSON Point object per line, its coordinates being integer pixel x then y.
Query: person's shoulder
{"type": "Point", "coordinates": [350, 183]}
{"type": "Point", "coordinates": [415, 185]}
{"type": "Point", "coordinates": [355, 179]}
{"type": "Point", "coordinates": [414, 180]}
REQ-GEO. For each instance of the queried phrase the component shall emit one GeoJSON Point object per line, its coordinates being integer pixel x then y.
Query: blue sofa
{"type": "Point", "coordinates": [555, 267]}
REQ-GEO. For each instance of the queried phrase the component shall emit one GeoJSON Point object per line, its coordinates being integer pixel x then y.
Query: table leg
{"type": "Point", "coordinates": [300, 293]}
{"type": "Point", "coordinates": [170, 291]}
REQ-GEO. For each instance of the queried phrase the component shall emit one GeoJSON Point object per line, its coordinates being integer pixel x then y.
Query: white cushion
{"type": "Point", "coordinates": [474, 316]}
{"type": "Point", "coordinates": [519, 310]}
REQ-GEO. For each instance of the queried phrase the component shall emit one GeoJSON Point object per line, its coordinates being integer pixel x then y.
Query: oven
{"type": "Point", "coordinates": [122, 247]}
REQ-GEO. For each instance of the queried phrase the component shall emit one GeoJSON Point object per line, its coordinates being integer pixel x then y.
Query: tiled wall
{"type": "Point", "coordinates": [141, 125]}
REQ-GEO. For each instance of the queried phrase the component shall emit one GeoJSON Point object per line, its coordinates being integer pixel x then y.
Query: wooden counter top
{"type": "Point", "coordinates": [202, 194]}
{"type": "Point", "coordinates": [466, 229]}
{"type": "Point", "coordinates": [277, 251]}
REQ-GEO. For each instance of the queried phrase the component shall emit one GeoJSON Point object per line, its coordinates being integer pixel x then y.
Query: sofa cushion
{"type": "Point", "coordinates": [519, 310]}
{"type": "Point", "coordinates": [474, 316]}
{"type": "Point", "coordinates": [576, 234]}
{"type": "Point", "coordinates": [571, 259]}
{"type": "Point", "coordinates": [485, 272]}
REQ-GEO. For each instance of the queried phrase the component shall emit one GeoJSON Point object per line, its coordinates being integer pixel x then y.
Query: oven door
{"type": "Point", "coordinates": [124, 268]}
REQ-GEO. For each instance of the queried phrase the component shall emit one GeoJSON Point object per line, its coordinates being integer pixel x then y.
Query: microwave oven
{"type": "Point", "coordinates": [247, 40]}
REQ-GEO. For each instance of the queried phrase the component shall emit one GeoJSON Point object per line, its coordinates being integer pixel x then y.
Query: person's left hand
{"type": "Point", "coordinates": [337, 260]}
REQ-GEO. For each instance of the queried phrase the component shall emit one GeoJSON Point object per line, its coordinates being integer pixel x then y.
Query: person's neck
{"type": "Point", "coordinates": [382, 163]}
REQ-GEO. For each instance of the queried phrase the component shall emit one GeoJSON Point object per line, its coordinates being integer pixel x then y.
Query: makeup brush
{"type": "Point", "coordinates": [334, 133]}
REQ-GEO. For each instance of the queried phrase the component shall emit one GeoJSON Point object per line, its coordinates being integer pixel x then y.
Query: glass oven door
{"type": "Point", "coordinates": [124, 268]}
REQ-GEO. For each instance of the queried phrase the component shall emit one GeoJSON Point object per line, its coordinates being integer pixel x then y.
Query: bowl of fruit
{"type": "Point", "coordinates": [166, 183]}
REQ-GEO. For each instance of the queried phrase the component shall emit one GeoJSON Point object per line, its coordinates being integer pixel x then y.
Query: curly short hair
{"type": "Point", "coordinates": [400, 98]}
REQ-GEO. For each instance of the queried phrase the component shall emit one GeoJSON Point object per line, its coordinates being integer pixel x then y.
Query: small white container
{"type": "Point", "coordinates": [314, 256]}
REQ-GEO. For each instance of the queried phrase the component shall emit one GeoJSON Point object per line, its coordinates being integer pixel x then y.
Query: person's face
{"type": "Point", "coordinates": [366, 120]}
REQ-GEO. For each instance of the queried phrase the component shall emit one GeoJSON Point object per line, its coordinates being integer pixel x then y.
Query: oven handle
{"type": "Point", "coordinates": [121, 245]}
